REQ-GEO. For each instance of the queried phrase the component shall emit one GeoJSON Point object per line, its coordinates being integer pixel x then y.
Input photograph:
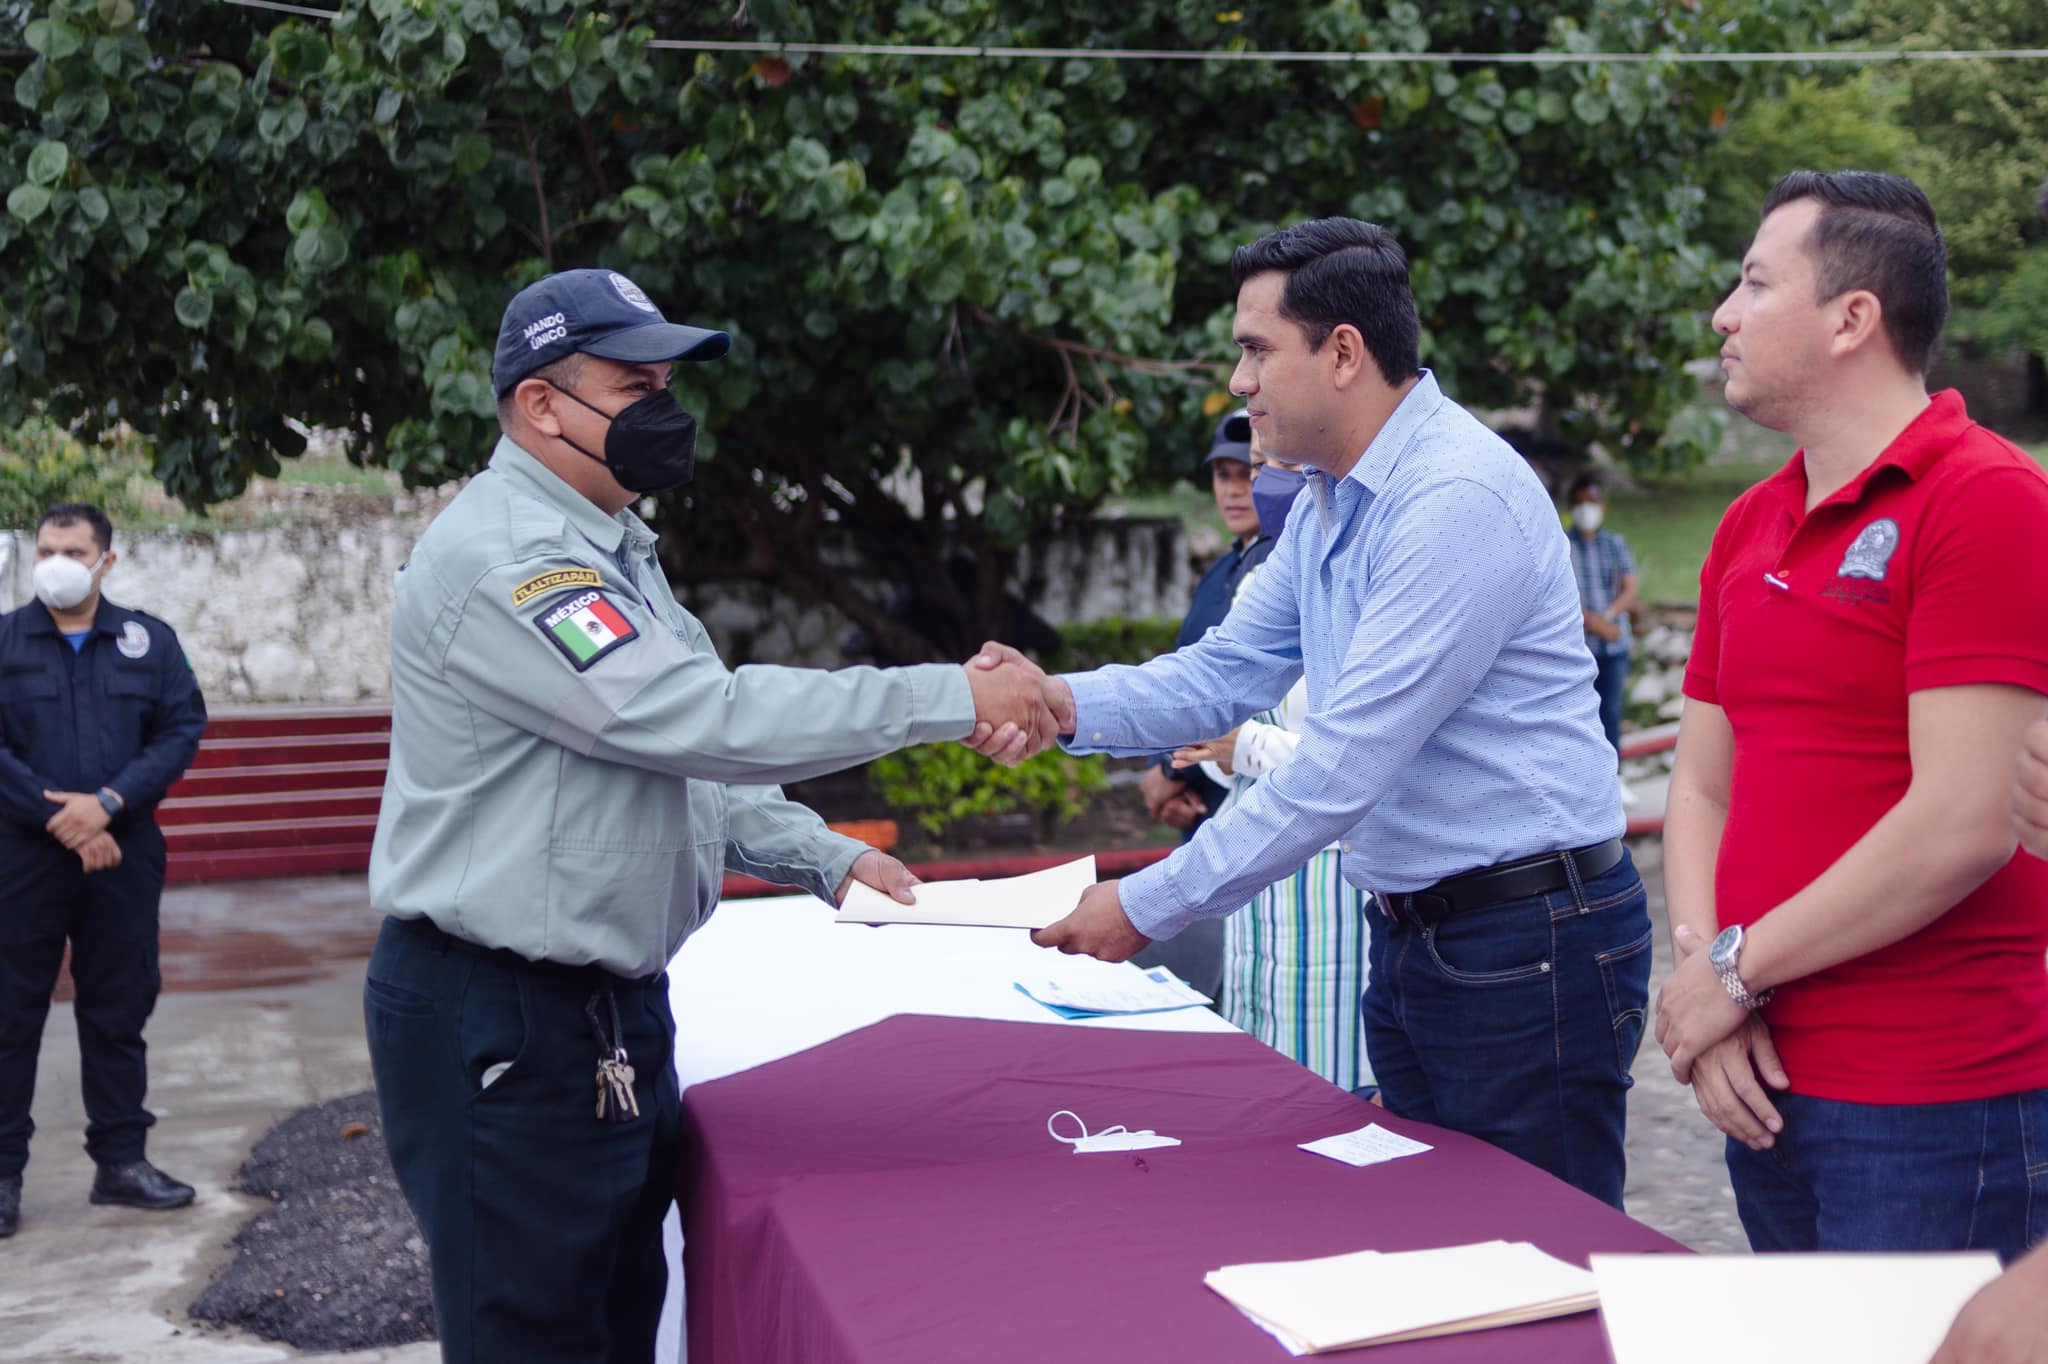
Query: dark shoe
{"type": "Point", "coordinates": [138, 1184]}
{"type": "Point", "coordinates": [10, 1205]}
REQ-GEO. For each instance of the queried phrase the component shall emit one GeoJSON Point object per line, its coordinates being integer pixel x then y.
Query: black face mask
{"type": "Point", "coordinates": [652, 445]}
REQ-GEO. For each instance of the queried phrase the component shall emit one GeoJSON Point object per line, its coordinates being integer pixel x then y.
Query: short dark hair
{"type": "Point", "coordinates": [563, 373]}
{"type": "Point", "coordinates": [71, 513]}
{"type": "Point", "coordinates": [1585, 483]}
{"type": "Point", "coordinates": [1876, 231]}
{"type": "Point", "coordinates": [1342, 270]}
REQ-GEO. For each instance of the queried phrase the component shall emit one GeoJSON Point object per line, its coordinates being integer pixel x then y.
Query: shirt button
{"type": "Point", "coordinates": [1344, 847]}
{"type": "Point", "coordinates": [1096, 737]}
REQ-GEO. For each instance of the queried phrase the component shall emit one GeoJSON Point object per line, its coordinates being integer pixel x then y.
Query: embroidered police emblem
{"type": "Point", "coordinates": [630, 291]}
{"type": "Point", "coordinates": [134, 640]}
{"type": "Point", "coordinates": [1870, 554]}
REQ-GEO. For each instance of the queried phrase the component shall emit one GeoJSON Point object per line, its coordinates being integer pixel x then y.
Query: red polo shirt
{"type": "Point", "coordinates": [1930, 569]}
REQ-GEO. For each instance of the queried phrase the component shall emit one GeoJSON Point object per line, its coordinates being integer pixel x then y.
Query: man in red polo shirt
{"type": "Point", "coordinates": [1870, 650]}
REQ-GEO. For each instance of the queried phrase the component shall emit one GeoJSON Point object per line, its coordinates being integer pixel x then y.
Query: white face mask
{"type": "Point", "coordinates": [1587, 515]}
{"type": "Point", "coordinates": [61, 582]}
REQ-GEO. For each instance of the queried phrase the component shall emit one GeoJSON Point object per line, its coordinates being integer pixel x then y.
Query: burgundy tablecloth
{"type": "Point", "coordinates": [892, 1197]}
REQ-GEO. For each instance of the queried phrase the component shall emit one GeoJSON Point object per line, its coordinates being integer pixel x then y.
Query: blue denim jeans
{"type": "Point", "coordinates": [1971, 1175]}
{"type": "Point", "coordinates": [1516, 1023]}
{"type": "Point", "coordinates": [1610, 679]}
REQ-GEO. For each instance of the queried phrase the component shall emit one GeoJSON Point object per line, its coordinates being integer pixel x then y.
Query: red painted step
{"type": "Point", "coordinates": [234, 781]}
{"type": "Point", "coordinates": [238, 835]}
{"type": "Point", "coordinates": [290, 722]}
{"type": "Point", "coordinates": [253, 864]}
{"type": "Point", "coordinates": [181, 811]}
{"type": "Point", "coordinates": [269, 750]}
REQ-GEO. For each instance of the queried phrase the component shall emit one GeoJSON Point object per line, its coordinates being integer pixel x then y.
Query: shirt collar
{"type": "Point", "coordinates": [1376, 465]}
{"type": "Point", "coordinates": [1912, 452]}
{"type": "Point", "coordinates": [107, 620]}
{"type": "Point", "coordinates": [606, 532]}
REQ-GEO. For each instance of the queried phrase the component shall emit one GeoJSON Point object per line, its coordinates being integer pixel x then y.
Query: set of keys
{"type": "Point", "coordinates": [616, 1101]}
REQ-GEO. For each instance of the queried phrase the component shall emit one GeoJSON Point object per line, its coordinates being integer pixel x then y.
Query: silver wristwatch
{"type": "Point", "coordinates": [1722, 956]}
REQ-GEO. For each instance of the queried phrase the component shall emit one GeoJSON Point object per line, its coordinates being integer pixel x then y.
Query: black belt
{"type": "Point", "coordinates": [1509, 881]}
{"type": "Point", "coordinates": [444, 942]}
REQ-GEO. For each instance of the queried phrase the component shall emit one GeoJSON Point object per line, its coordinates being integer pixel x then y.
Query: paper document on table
{"type": "Point", "coordinates": [1086, 986]}
{"type": "Point", "coordinates": [1367, 1298]}
{"type": "Point", "coordinates": [1874, 1309]}
{"type": "Point", "coordinates": [1369, 1145]}
{"type": "Point", "coordinates": [1031, 901]}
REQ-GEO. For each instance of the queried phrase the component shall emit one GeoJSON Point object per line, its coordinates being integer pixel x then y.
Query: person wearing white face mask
{"type": "Point", "coordinates": [1606, 573]}
{"type": "Point", "coordinates": [99, 714]}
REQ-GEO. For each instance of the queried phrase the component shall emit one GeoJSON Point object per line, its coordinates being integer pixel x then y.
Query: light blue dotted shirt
{"type": "Point", "coordinates": [1452, 723]}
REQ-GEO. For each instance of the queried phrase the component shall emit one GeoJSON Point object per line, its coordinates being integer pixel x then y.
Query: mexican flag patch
{"type": "Point", "coordinates": [586, 628]}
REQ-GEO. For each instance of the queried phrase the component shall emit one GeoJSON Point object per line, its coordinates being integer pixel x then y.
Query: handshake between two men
{"type": "Point", "coordinates": [1019, 712]}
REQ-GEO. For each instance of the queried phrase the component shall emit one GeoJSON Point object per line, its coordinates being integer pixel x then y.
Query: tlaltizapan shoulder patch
{"type": "Point", "coordinates": [586, 628]}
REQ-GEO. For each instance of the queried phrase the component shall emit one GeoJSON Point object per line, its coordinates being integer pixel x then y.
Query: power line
{"type": "Point", "coordinates": [1253, 55]}
{"type": "Point", "coordinates": [288, 9]}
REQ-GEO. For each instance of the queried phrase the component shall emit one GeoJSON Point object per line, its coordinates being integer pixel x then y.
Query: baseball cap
{"type": "Point", "coordinates": [597, 312]}
{"type": "Point", "coordinates": [1233, 439]}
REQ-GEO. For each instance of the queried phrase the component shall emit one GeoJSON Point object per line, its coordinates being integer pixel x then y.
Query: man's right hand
{"type": "Point", "coordinates": [1597, 624]}
{"type": "Point", "coordinates": [99, 852]}
{"type": "Point", "coordinates": [1003, 734]}
{"type": "Point", "coordinates": [1156, 788]}
{"type": "Point", "coordinates": [1184, 811]}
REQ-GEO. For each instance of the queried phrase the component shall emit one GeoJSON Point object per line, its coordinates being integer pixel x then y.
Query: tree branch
{"type": "Point", "coordinates": [590, 155]}
{"type": "Point", "coordinates": [547, 238]}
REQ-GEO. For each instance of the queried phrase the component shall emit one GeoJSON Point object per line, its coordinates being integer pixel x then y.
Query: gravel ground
{"type": "Point", "coordinates": [1676, 1179]}
{"type": "Point", "coordinates": [336, 1263]}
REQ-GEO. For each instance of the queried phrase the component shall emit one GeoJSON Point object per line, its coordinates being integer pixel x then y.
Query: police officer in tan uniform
{"type": "Point", "coordinates": [572, 770]}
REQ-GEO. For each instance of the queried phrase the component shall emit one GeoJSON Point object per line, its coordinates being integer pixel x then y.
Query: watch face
{"type": "Point", "coordinates": [1722, 954]}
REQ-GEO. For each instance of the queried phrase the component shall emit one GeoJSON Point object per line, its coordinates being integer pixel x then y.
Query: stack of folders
{"type": "Point", "coordinates": [1368, 1298]}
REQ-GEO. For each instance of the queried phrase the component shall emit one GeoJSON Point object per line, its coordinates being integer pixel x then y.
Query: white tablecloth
{"type": "Point", "coordinates": [768, 978]}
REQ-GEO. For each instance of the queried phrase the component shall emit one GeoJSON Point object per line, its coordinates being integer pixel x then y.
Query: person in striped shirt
{"type": "Point", "coordinates": [1294, 959]}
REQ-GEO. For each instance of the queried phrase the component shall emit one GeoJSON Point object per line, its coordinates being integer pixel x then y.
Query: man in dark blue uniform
{"type": "Point", "coordinates": [99, 714]}
{"type": "Point", "coordinates": [1184, 798]}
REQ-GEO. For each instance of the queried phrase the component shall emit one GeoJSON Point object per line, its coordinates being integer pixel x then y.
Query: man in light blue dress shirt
{"type": "Point", "coordinates": [1453, 746]}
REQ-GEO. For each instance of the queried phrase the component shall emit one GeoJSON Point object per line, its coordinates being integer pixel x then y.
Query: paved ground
{"type": "Point", "coordinates": [262, 1016]}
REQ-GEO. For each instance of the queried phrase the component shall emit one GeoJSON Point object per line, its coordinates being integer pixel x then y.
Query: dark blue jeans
{"type": "Point", "coordinates": [1898, 1177]}
{"type": "Point", "coordinates": [1516, 1023]}
{"type": "Point", "coordinates": [1610, 679]}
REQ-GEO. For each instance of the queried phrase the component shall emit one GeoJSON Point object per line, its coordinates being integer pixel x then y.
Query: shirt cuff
{"type": "Point", "coordinates": [1094, 705]}
{"type": "Point", "coordinates": [1151, 902]}
{"type": "Point", "coordinates": [941, 703]}
{"type": "Point", "coordinates": [836, 857]}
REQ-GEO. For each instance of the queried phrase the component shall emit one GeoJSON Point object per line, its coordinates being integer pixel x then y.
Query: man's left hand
{"type": "Point", "coordinates": [1096, 928]}
{"type": "Point", "coordinates": [1694, 1012]}
{"type": "Point", "coordinates": [82, 817]}
{"type": "Point", "coordinates": [884, 873]}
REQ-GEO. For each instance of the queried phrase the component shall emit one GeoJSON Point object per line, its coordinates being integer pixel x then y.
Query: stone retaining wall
{"type": "Point", "coordinates": [302, 612]}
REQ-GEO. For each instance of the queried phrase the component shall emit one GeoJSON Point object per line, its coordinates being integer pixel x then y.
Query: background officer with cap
{"type": "Point", "coordinates": [572, 769]}
{"type": "Point", "coordinates": [99, 714]}
{"type": "Point", "coordinates": [1184, 797]}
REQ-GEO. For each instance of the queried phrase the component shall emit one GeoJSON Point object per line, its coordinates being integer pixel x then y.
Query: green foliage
{"type": "Point", "coordinates": [2018, 316]}
{"type": "Point", "coordinates": [41, 465]}
{"type": "Point", "coordinates": [1833, 121]}
{"type": "Point", "coordinates": [1086, 645]}
{"type": "Point", "coordinates": [221, 217]}
{"type": "Point", "coordinates": [1983, 128]}
{"type": "Point", "coordinates": [939, 785]}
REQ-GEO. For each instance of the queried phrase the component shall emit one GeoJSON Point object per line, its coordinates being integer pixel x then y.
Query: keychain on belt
{"type": "Point", "coordinates": [615, 1099]}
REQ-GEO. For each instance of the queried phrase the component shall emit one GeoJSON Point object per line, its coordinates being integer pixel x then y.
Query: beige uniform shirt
{"type": "Point", "coordinates": [572, 767]}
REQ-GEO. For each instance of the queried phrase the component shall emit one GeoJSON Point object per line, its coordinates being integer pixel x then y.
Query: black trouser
{"type": "Point", "coordinates": [543, 1224]}
{"type": "Point", "coordinates": [110, 920]}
